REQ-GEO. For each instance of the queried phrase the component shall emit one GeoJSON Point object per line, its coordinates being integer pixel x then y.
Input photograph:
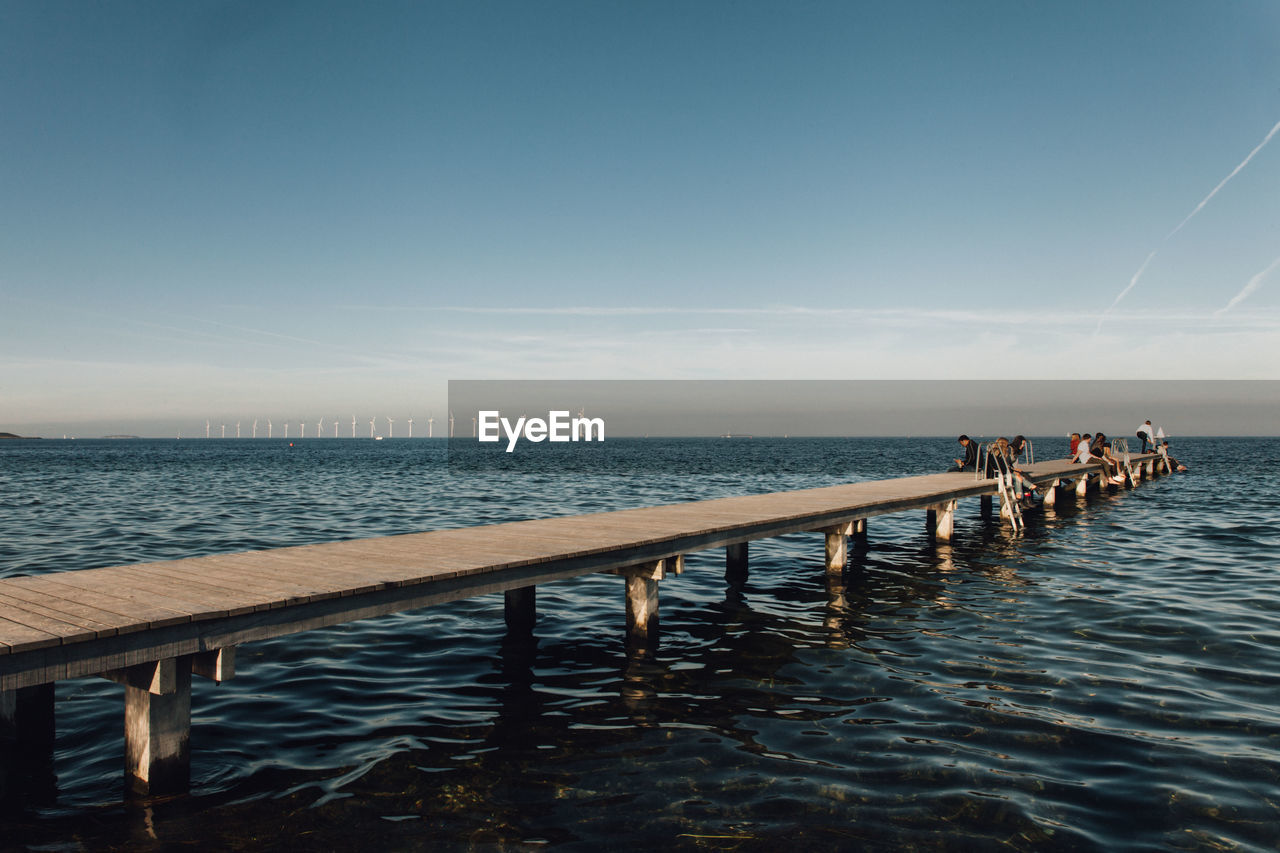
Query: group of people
{"type": "Point", "coordinates": [1010, 449]}
{"type": "Point", "coordinates": [1088, 448]}
{"type": "Point", "coordinates": [1003, 453]}
{"type": "Point", "coordinates": [1084, 448]}
{"type": "Point", "coordinates": [1096, 448]}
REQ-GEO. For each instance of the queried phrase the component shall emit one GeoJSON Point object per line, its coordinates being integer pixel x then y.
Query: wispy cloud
{"type": "Point", "coordinates": [1189, 217]}
{"type": "Point", "coordinates": [962, 321]}
{"type": "Point", "coordinates": [1254, 284]}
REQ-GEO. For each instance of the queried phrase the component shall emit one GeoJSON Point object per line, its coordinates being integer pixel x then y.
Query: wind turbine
{"type": "Point", "coordinates": [270, 428]}
{"type": "Point", "coordinates": [319, 427]}
{"type": "Point", "coordinates": [237, 429]}
{"type": "Point", "coordinates": [353, 426]}
{"type": "Point", "coordinates": [391, 428]}
{"type": "Point", "coordinates": [451, 423]}
{"type": "Point", "coordinates": [473, 426]}
{"type": "Point", "coordinates": [224, 430]}
{"type": "Point", "coordinates": [286, 429]}
{"type": "Point", "coordinates": [410, 427]}
{"type": "Point", "coordinates": [255, 427]}
{"type": "Point", "coordinates": [335, 427]}
{"type": "Point", "coordinates": [206, 427]}
{"type": "Point", "coordinates": [371, 420]}
{"type": "Point", "coordinates": [302, 428]}
{"type": "Point", "coordinates": [430, 425]}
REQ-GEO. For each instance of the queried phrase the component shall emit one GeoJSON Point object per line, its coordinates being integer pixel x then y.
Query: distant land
{"type": "Point", "coordinates": [9, 435]}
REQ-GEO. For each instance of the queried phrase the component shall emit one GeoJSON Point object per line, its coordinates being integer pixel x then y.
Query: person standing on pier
{"type": "Point", "coordinates": [1147, 434]}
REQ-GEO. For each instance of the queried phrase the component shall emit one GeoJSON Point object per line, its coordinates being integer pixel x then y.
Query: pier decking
{"type": "Point", "coordinates": [151, 626]}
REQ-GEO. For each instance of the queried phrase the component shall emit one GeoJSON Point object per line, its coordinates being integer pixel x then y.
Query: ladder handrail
{"type": "Point", "coordinates": [990, 456]}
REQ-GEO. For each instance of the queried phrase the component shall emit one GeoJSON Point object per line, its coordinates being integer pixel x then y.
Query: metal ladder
{"type": "Point", "coordinates": [1120, 446]}
{"type": "Point", "coordinates": [988, 456]}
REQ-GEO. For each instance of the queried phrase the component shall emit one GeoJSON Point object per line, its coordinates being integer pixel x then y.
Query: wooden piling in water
{"type": "Point", "coordinates": [735, 560]}
{"type": "Point", "coordinates": [837, 550]}
{"type": "Point", "coordinates": [520, 609]}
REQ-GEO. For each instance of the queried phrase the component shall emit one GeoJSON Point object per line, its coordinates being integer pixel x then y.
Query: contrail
{"type": "Point", "coordinates": [1248, 288]}
{"type": "Point", "coordinates": [1234, 172]}
{"type": "Point", "coordinates": [1198, 208]}
{"type": "Point", "coordinates": [1132, 282]}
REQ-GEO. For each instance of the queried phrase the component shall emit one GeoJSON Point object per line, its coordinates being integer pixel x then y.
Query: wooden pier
{"type": "Point", "coordinates": [152, 626]}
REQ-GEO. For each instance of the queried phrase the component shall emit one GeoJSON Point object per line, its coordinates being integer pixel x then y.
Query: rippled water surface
{"type": "Point", "coordinates": [1108, 680]}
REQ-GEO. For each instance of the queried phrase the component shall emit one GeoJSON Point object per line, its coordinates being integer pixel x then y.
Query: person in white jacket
{"type": "Point", "coordinates": [1147, 434]}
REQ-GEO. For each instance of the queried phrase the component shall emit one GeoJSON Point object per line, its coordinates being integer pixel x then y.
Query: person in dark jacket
{"type": "Point", "coordinates": [970, 460]}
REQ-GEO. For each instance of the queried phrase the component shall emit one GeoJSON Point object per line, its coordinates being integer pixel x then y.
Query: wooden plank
{"type": "Point", "coordinates": [134, 616]}
{"type": "Point", "coordinates": [270, 586]}
{"type": "Point", "coordinates": [99, 629]}
{"type": "Point", "coordinates": [134, 582]}
{"type": "Point", "coordinates": [16, 637]}
{"type": "Point", "coordinates": [67, 632]}
{"type": "Point", "coordinates": [235, 599]}
{"type": "Point", "coordinates": [294, 565]}
{"type": "Point", "coordinates": [267, 576]}
{"type": "Point", "coordinates": [121, 584]}
{"type": "Point", "coordinates": [305, 566]}
{"type": "Point", "coordinates": [253, 596]}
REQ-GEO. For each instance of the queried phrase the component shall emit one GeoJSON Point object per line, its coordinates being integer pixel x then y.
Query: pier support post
{"type": "Point", "coordinates": [26, 741]}
{"type": "Point", "coordinates": [941, 521]}
{"type": "Point", "coordinates": [520, 609]}
{"type": "Point", "coordinates": [216, 665]}
{"type": "Point", "coordinates": [26, 714]}
{"type": "Point", "coordinates": [157, 726]}
{"type": "Point", "coordinates": [1050, 492]}
{"type": "Point", "coordinates": [837, 546]}
{"type": "Point", "coordinates": [985, 503]}
{"type": "Point", "coordinates": [642, 601]}
{"type": "Point", "coordinates": [735, 560]}
{"type": "Point", "coordinates": [1082, 485]}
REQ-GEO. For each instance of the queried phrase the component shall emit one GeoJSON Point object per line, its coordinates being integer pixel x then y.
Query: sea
{"type": "Point", "coordinates": [1106, 679]}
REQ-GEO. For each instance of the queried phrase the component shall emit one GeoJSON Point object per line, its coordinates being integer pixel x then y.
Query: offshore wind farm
{"type": "Point", "coordinates": [220, 430]}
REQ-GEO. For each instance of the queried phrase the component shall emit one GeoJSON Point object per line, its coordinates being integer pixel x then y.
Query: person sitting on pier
{"type": "Point", "coordinates": [1075, 445]}
{"type": "Point", "coordinates": [970, 461]}
{"type": "Point", "coordinates": [1017, 447]}
{"type": "Point", "coordinates": [1174, 464]}
{"type": "Point", "coordinates": [1084, 453]}
{"type": "Point", "coordinates": [1099, 441]}
{"type": "Point", "coordinates": [1147, 433]}
{"type": "Point", "coordinates": [1101, 448]}
{"type": "Point", "coordinates": [1025, 490]}
{"type": "Point", "coordinates": [1109, 456]}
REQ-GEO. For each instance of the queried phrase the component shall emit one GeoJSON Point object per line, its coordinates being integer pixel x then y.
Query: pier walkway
{"type": "Point", "coordinates": [151, 626]}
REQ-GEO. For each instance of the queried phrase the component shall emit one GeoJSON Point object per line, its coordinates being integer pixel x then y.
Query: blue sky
{"type": "Point", "coordinates": [295, 210]}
